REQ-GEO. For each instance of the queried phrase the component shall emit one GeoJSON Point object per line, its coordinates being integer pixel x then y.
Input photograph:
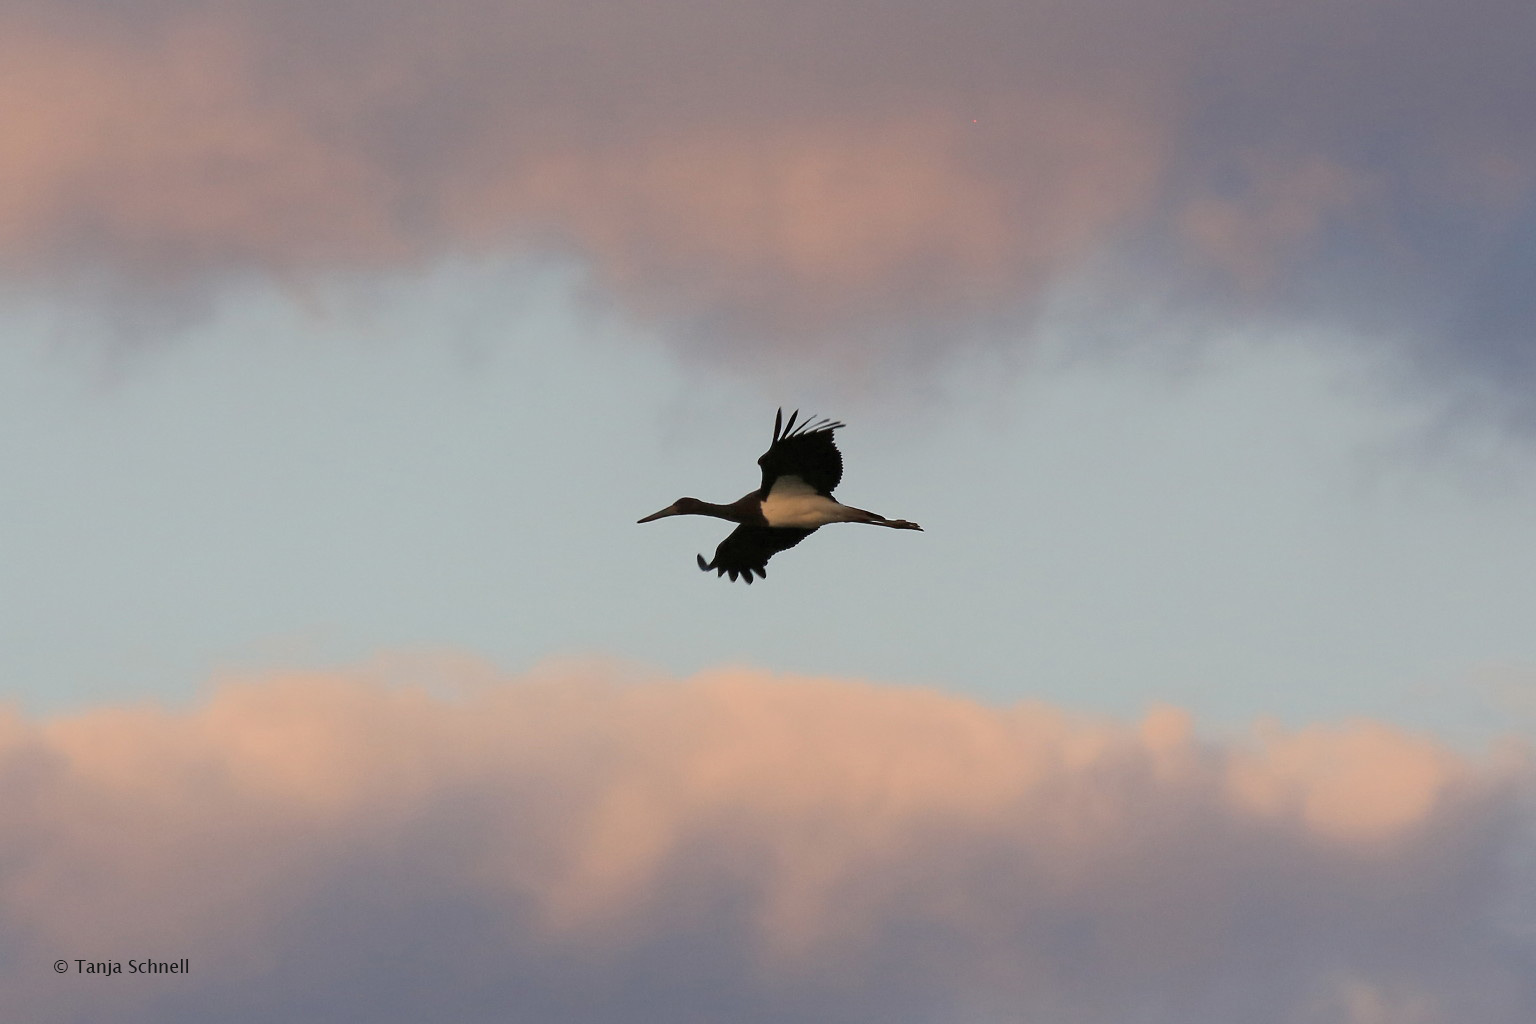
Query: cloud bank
{"type": "Point", "coordinates": [845, 178]}
{"type": "Point", "coordinates": [585, 846]}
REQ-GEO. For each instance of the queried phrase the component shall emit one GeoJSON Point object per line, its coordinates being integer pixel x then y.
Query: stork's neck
{"type": "Point", "coordinates": [747, 509]}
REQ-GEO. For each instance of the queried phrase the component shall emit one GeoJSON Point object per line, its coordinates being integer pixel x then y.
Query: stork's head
{"type": "Point", "coordinates": [680, 507]}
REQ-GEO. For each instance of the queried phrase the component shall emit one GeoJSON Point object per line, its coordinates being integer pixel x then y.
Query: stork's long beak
{"type": "Point", "coordinates": [670, 510]}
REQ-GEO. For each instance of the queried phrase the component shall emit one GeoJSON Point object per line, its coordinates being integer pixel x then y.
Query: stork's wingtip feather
{"type": "Point", "coordinates": [702, 564]}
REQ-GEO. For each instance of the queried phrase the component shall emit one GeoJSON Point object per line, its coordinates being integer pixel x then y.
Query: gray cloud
{"type": "Point", "coordinates": [849, 176]}
{"type": "Point", "coordinates": [583, 847]}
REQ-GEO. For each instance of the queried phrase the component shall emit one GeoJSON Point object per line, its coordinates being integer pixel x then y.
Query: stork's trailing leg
{"type": "Point", "coordinates": [876, 519]}
{"type": "Point", "coordinates": [898, 524]}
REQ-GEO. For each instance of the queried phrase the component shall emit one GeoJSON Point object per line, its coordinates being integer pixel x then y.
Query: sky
{"type": "Point", "coordinates": [344, 343]}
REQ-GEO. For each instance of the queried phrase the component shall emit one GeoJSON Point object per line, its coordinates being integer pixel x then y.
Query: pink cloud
{"type": "Point", "coordinates": [848, 178]}
{"type": "Point", "coordinates": [159, 159]}
{"type": "Point", "coordinates": [579, 845]}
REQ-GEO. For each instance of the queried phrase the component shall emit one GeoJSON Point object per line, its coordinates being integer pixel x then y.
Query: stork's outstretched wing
{"type": "Point", "coordinates": [748, 548]}
{"type": "Point", "coordinates": [807, 452]}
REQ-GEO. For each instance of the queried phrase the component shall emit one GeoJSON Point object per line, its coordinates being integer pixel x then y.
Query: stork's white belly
{"type": "Point", "coordinates": [803, 510]}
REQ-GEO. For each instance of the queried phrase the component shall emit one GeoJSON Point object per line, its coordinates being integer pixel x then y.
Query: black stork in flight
{"type": "Point", "coordinates": [800, 470]}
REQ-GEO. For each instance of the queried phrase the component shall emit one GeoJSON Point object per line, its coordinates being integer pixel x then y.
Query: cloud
{"type": "Point", "coordinates": [585, 845]}
{"type": "Point", "coordinates": [854, 177]}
